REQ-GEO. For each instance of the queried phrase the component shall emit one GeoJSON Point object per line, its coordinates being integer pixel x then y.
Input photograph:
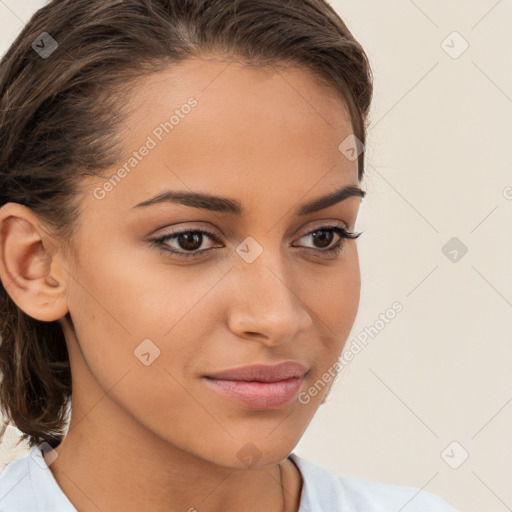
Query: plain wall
{"type": "Point", "coordinates": [434, 383]}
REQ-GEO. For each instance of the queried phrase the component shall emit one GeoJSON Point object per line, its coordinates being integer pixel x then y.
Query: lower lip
{"type": "Point", "coordinates": [259, 395]}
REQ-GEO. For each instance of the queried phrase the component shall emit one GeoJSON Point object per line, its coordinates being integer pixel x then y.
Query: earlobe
{"type": "Point", "coordinates": [28, 264]}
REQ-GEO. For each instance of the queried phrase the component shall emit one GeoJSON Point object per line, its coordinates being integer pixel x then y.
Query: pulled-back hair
{"type": "Point", "coordinates": [59, 122]}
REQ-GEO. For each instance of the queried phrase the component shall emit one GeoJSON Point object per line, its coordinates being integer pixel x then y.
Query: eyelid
{"type": "Point", "coordinates": [329, 223]}
{"type": "Point", "coordinates": [215, 232]}
{"type": "Point", "coordinates": [185, 226]}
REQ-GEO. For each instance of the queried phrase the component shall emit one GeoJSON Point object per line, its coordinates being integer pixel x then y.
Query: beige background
{"type": "Point", "coordinates": [439, 157]}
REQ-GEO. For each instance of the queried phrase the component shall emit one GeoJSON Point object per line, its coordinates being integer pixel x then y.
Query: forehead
{"type": "Point", "coordinates": [221, 126]}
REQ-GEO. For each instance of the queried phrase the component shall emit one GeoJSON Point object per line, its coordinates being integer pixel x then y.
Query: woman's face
{"type": "Point", "coordinates": [152, 323]}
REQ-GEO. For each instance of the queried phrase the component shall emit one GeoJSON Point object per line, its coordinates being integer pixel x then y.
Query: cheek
{"type": "Point", "coordinates": [334, 292]}
{"type": "Point", "coordinates": [336, 302]}
{"type": "Point", "coordinates": [113, 321]}
{"type": "Point", "coordinates": [127, 313]}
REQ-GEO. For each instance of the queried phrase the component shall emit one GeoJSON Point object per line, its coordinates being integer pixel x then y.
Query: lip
{"type": "Point", "coordinates": [262, 372]}
{"type": "Point", "coordinates": [258, 395]}
{"type": "Point", "coordinates": [260, 386]}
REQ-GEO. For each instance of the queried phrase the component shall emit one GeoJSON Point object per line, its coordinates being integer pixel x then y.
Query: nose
{"type": "Point", "coordinates": [266, 306]}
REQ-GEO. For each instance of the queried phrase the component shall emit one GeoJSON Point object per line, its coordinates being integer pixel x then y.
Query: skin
{"type": "Point", "coordinates": [156, 437]}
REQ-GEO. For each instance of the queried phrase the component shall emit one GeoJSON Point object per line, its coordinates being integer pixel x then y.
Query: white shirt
{"type": "Point", "coordinates": [28, 485]}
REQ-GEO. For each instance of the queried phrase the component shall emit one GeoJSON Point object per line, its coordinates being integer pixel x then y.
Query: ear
{"type": "Point", "coordinates": [30, 264]}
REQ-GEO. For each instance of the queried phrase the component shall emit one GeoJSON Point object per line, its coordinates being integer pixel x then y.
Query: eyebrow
{"type": "Point", "coordinates": [232, 206]}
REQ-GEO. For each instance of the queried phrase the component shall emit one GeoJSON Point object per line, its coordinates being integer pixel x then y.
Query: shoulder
{"type": "Point", "coordinates": [28, 485]}
{"type": "Point", "coordinates": [15, 486]}
{"type": "Point", "coordinates": [325, 490]}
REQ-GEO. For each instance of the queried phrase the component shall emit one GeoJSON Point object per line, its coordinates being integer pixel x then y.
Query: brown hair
{"type": "Point", "coordinates": [59, 113]}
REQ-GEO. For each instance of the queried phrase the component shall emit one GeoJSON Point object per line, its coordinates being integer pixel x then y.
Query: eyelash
{"type": "Point", "coordinates": [339, 229]}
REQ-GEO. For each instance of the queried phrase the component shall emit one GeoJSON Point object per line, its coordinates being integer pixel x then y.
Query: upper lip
{"type": "Point", "coordinates": [262, 372]}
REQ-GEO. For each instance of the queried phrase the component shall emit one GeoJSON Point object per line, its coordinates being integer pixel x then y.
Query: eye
{"type": "Point", "coordinates": [188, 242]}
{"type": "Point", "coordinates": [324, 236]}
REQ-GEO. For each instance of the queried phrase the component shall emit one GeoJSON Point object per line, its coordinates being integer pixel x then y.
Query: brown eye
{"type": "Point", "coordinates": [187, 243]}
{"type": "Point", "coordinates": [323, 236]}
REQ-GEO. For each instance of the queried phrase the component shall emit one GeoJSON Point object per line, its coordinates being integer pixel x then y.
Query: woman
{"type": "Point", "coordinates": [179, 189]}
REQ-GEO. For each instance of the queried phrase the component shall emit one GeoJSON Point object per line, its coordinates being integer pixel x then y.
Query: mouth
{"type": "Point", "coordinates": [258, 395]}
{"type": "Point", "coordinates": [260, 386]}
